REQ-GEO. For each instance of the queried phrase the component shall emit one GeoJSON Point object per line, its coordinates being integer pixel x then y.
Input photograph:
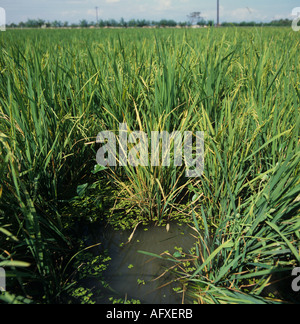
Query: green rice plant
{"type": "Point", "coordinates": [246, 201]}
{"type": "Point", "coordinates": [250, 185]}
{"type": "Point", "coordinates": [36, 139]}
{"type": "Point", "coordinates": [257, 242]}
{"type": "Point", "coordinates": [154, 190]}
{"type": "Point", "coordinates": [237, 259]}
{"type": "Point", "coordinates": [60, 88]}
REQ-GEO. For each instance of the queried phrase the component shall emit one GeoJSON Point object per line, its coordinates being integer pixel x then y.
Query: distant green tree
{"type": "Point", "coordinates": [201, 22]}
{"type": "Point", "coordinates": [182, 24]}
{"type": "Point", "coordinates": [132, 23]}
{"type": "Point", "coordinates": [195, 17]}
{"type": "Point", "coordinates": [123, 23]}
{"type": "Point", "coordinates": [84, 23]}
{"type": "Point", "coordinates": [32, 23]}
{"type": "Point", "coordinates": [167, 23]}
{"type": "Point", "coordinates": [57, 24]}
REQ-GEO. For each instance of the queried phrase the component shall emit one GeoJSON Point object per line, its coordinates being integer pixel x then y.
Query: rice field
{"type": "Point", "coordinates": [240, 86]}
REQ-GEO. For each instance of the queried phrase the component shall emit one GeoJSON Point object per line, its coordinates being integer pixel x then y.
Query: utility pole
{"type": "Point", "coordinates": [97, 18]}
{"type": "Point", "coordinates": [218, 13]}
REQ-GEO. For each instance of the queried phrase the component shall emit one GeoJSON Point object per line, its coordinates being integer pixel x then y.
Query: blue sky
{"type": "Point", "coordinates": [75, 10]}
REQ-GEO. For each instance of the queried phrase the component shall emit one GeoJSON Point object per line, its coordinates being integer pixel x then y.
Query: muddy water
{"type": "Point", "coordinates": [131, 275]}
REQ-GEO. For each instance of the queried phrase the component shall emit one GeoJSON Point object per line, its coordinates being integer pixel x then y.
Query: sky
{"type": "Point", "coordinates": [75, 10]}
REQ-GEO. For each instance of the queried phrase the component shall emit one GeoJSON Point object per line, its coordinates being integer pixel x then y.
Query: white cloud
{"type": "Point", "coordinates": [244, 13]}
{"type": "Point", "coordinates": [164, 5]}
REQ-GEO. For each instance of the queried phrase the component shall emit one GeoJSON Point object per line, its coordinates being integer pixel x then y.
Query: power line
{"type": "Point", "coordinates": [97, 18]}
{"type": "Point", "coordinates": [218, 12]}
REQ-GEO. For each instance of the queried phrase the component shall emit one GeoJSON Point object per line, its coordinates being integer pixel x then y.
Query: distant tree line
{"type": "Point", "coordinates": [274, 23]}
{"type": "Point", "coordinates": [39, 23]}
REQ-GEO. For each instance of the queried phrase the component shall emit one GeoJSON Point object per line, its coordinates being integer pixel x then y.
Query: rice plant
{"type": "Point", "coordinates": [60, 88]}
